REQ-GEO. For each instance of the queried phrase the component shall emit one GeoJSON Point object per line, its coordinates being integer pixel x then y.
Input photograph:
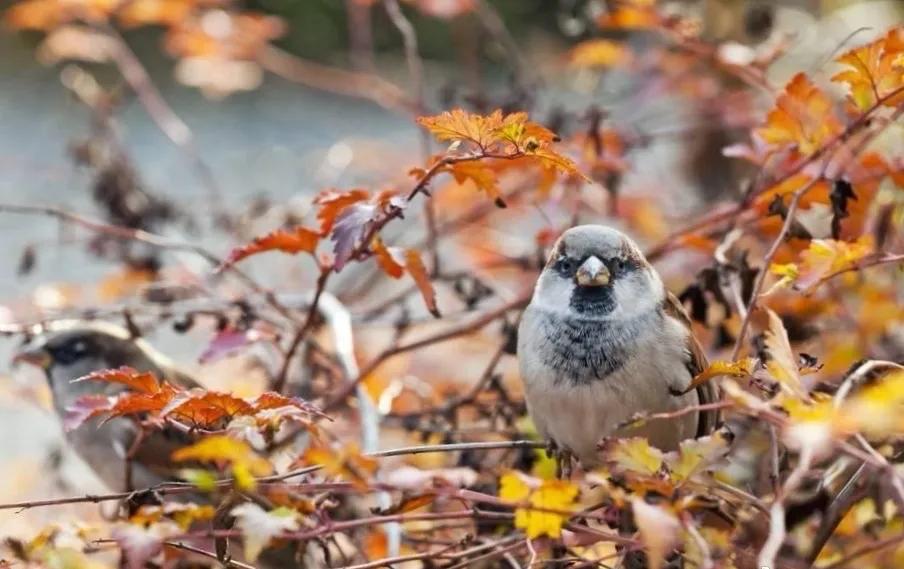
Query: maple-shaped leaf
{"type": "Point", "coordinates": [206, 409]}
{"type": "Point", "coordinates": [347, 463]}
{"type": "Point", "coordinates": [332, 203]}
{"type": "Point", "coordinates": [135, 380]}
{"type": "Point", "coordinates": [803, 118]}
{"type": "Point", "coordinates": [459, 124]}
{"type": "Point", "coordinates": [824, 257]}
{"type": "Point", "coordinates": [221, 449]}
{"type": "Point", "coordinates": [782, 363]}
{"type": "Point", "coordinates": [658, 528]}
{"type": "Point", "coordinates": [259, 526]}
{"type": "Point", "coordinates": [875, 71]}
{"type": "Point", "coordinates": [547, 495]}
{"type": "Point", "coordinates": [292, 241]}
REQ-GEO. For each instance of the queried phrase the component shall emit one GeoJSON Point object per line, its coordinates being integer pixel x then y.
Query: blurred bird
{"type": "Point", "coordinates": [68, 350]}
{"type": "Point", "coordinates": [601, 341]}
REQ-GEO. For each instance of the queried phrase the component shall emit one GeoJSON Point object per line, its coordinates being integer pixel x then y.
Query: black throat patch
{"type": "Point", "coordinates": [584, 350]}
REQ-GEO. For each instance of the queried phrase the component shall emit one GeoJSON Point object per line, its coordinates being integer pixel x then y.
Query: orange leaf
{"type": "Point", "coordinates": [876, 70]}
{"type": "Point", "coordinates": [418, 272]}
{"type": "Point", "coordinates": [480, 175]}
{"type": "Point", "coordinates": [803, 117]}
{"type": "Point", "coordinates": [206, 408]}
{"type": "Point", "coordinates": [292, 241]}
{"type": "Point", "coordinates": [332, 203]}
{"type": "Point", "coordinates": [348, 463]}
{"type": "Point", "coordinates": [388, 258]}
{"type": "Point", "coordinates": [826, 256]}
{"type": "Point", "coordinates": [133, 403]}
{"type": "Point", "coordinates": [135, 380]}
{"type": "Point", "coordinates": [459, 124]}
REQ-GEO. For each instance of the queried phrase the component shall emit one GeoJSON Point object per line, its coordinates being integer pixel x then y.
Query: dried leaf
{"type": "Point", "coordinates": [347, 463]}
{"type": "Point", "coordinates": [391, 259]}
{"type": "Point", "coordinates": [599, 53]}
{"type": "Point", "coordinates": [634, 455]}
{"type": "Point", "coordinates": [206, 409]}
{"type": "Point", "coordinates": [826, 256]}
{"type": "Point", "coordinates": [84, 408]}
{"type": "Point", "coordinates": [459, 124]}
{"type": "Point", "coordinates": [741, 368]}
{"type": "Point", "coordinates": [483, 177]}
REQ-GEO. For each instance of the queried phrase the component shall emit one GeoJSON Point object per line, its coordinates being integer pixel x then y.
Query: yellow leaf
{"type": "Point", "coordinates": [635, 455]}
{"type": "Point", "coordinates": [246, 464]}
{"type": "Point", "coordinates": [695, 454]}
{"type": "Point", "coordinates": [480, 175]}
{"type": "Point", "coordinates": [741, 368]}
{"type": "Point", "coordinates": [826, 256]}
{"type": "Point", "coordinates": [549, 495]}
{"type": "Point", "coordinates": [459, 124]}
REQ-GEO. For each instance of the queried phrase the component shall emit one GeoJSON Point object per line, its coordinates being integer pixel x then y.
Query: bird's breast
{"type": "Point", "coordinates": [586, 350]}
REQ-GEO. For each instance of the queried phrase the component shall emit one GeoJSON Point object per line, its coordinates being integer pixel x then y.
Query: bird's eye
{"type": "Point", "coordinates": [70, 353]}
{"type": "Point", "coordinates": [566, 264]}
{"type": "Point", "coordinates": [620, 265]}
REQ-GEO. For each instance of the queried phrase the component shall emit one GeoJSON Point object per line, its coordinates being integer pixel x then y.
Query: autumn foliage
{"type": "Point", "coordinates": [377, 440]}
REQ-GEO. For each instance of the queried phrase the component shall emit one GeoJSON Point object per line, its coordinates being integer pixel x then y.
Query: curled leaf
{"type": "Point", "coordinates": [292, 241]}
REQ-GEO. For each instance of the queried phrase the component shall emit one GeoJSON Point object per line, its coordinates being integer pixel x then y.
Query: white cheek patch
{"type": "Point", "coordinates": [637, 295]}
{"type": "Point", "coordinates": [553, 293]}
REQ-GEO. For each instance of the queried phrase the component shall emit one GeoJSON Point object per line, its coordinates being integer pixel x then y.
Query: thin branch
{"type": "Point", "coordinates": [335, 80]}
{"type": "Point", "coordinates": [777, 529]}
{"type": "Point", "coordinates": [208, 554]}
{"type": "Point", "coordinates": [147, 238]}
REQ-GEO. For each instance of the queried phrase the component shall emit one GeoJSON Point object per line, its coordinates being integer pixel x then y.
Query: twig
{"type": "Point", "coordinates": [182, 487]}
{"type": "Point", "coordinates": [866, 550]}
{"type": "Point", "coordinates": [152, 239]}
{"type": "Point", "coordinates": [335, 80]}
{"type": "Point", "coordinates": [208, 554]}
{"type": "Point", "coordinates": [302, 331]}
{"type": "Point", "coordinates": [777, 529]}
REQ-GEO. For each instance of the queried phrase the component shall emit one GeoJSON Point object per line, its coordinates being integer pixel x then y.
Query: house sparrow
{"type": "Point", "coordinates": [68, 350]}
{"type": "Point", "coordinates": [601, 341]}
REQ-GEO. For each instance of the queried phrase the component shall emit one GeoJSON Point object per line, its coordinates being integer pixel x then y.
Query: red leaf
{"type": "Point", "coordinates": [418, 272]}
{"type": "Point", "coordinates": [133, 403]}
{"type": "Point", "coordinates": [131, 378]}
{"type": "Point", "coordinates": [292, 241]}
{"type": "Point", "coordinates": [207, 409]}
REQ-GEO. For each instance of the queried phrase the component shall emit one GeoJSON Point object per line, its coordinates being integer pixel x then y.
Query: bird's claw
{"type": "Point", "coordinates": [563, 458]}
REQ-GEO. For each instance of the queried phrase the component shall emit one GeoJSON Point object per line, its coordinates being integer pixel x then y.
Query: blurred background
{"type": "Point", "coordinates": [235, 149]}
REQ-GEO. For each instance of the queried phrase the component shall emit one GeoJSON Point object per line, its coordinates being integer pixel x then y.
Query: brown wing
{"type": "Point", "coordinates": [707, 392]}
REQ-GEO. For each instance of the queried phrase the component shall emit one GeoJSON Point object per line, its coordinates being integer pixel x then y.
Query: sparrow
{"type": "Point", "coordinates": [68, 350]}
{"type": "Point", "coordinates": [601, 341]}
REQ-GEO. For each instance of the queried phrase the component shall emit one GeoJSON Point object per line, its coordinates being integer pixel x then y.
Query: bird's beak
{"type": "Point", "coordinates": [35, 356]}
{"type": "Point", "coordinates": [592, 272]}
